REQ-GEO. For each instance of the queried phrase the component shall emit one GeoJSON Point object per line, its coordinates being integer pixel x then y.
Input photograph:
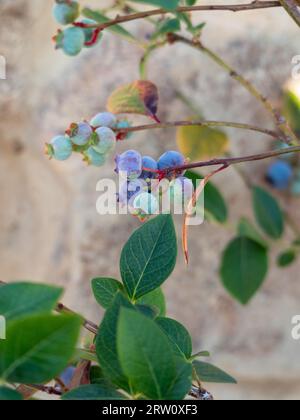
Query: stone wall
{"type": "Point", "coordinates": [50, 231]}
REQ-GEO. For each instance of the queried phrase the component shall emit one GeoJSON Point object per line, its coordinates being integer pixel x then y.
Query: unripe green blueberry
{"type": "Point", "coordinates": [92, 157]}
{"type": "Point", "coordinates": [107, 140]}
{"type": "Point", "coordinates": [104, 119]}
{"type": "Point", "coordinates": [60, 148]}
{"type": "Point", "coordinates": [71, 40]}
{"type": "Point", "coordinates": [66, 12]}
{"type": "Point", "coordinates": [80, 133]}
{"type": "Point", "coordinates": [145, 203]}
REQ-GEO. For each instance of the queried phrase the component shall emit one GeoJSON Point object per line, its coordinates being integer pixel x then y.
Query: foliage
{"type": "Point", "coordinates": [141, 352]}
{"type": "Point", "coordinates": [138, 352]}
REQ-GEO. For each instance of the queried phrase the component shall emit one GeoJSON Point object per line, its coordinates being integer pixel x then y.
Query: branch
{"type": "Point", "coordinates": [291, 6]}
{"type": "Point", "coordinates": [88, 325]}
{"type": "Point", "coordinates": [280, 121]}
{"type": "Point", "coordinates": [200, 124]}
{"type": "Point", "coordinates": [254, 5]}
{"type": "Point", "coordinates": [233, 161]}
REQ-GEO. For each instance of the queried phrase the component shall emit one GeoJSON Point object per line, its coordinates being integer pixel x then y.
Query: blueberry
{"type": "Point", "coordinates": [279, 174]}
{"type": "Point", "coordinates": [104, 119]}
{"type": "Point", "coordinates": [107, 140]}
{"type": "Point", "coordinates": [92, 157]}
{"type": "Point", "coordinates": [89, 32]}
{"type": "Point", "coordinates": [129, 164]}
{"type": "Point", "coordinates": [71, 40]}
{"type": "Point", "coordinates": [181, 190]}
{"type": "Point", "coordinates": [80, 133]}
{"type": "Point", "coordinates": [66, 12]}
{"type": "Point", "coordinates": [129, 189]}
{"type": "Point", "coordinates": [60, 148]}
{"type": "Point", "coordinates": [171, 159]}
{"type": "Point", "coordinates": [67, 375]}
{"type": "Point", "coordinates": [145, 203]}
{"type": "Point", "coordinates": [149, 163]}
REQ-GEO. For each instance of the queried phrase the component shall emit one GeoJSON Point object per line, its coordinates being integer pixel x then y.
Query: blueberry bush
{"type": "Point", "coordinates": [137, 352]}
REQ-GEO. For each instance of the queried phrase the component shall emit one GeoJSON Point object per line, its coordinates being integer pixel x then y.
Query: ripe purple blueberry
{"type": "Point", "coordinates": [149, 163]}
{"type": "Point", "coordinates": [279, 174]}
{"type": "Point", "coordinates": [129, 164]}
{"type": "Point", "coordinates": [171, 159]}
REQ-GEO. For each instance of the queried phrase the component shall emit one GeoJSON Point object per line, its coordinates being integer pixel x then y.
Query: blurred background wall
{"type": "Point", "coordinates": [49, 229]}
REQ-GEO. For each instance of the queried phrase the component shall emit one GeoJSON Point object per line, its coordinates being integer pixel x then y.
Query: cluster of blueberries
{"type": "Point", "coordinates": [282, 174]}
{"type": "Point", "coordinates": [74, 38]}
{"type": "Point", "coordinates": [141, 188]}
{"type": "Point", "coordinates": [95, 140]}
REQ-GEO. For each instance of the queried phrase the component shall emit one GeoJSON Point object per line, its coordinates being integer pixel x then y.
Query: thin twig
{"type": "Point", "coordinates": [201, 124]}
{"type": "Point", "coordinates": [88, 325]}
{"type": "Point", "coordinates": [292, 8]}
{"type": "Point", "coordinates": [254, 5]}
{"type": "Point", "coordinates": [233, 161]}
{"type": "Point", "coordinates": [280, 121]}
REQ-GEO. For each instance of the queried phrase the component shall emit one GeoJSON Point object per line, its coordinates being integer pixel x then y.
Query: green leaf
{"type": "Point", "coordinates": [116, 29]}
{"type": "Point", "coordinates": [147, 310]}
{"type": "Point", "coordinates": [215, 205]}
{"type": "Point", "coordinates": [106, 343]}
{"type": "Point", "coordinates": [182, 382]}
{"type": "Point", "coordinates": [22, 299]}
{"type": "Point", "coordinates": [268, 213]}
{"type": "Point", "coordinates": [292, 110]}
{"type": "Point", "coordinates": [38, 348]}
{"type": "Point", "coordinates": [246, 228]}
{"type": "Point", "coordinates": [139, 97]}
{"type": "Point", "coordinates": [7, 394]}
{"type": "Point", "coordinates": [286, 258]}
{"type": "Point", "coordinates": [149, 257]}
{"type": "Point", "coordinates": [155, 299]}
{"type": "Point", "coordinates": [105, 290]}
{"type": "Point", "coordinates": [166, 26]}
{"type": "Point", "coordinates": [93, 393]}
{"type": "Point", "coordinates": [209, 373]}
{"type": "Point", "coordinates": [164, 4]}
{"type": "Point", "coordinates": [244, 267]}
{"type": "Point", "coordinates": [145, 355]}
{"type": "Point", "coordinates": [178, 335]}
{"type": "Point", "coordinates": [199, 143]}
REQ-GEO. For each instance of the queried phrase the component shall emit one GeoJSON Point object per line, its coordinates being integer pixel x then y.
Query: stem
{"type": "Point", "coordinates": [291, 7]}
{"type": "Point", "coordinates": [233, 161]}
{"type": "Point", "coordinates": [254, 5]}
{"type": "Point", "coordinates": [88, 325]}
{"type": "Point", "coordinates": [201, 124]}
{"type": "Point", "coordinates": [280, 121]}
